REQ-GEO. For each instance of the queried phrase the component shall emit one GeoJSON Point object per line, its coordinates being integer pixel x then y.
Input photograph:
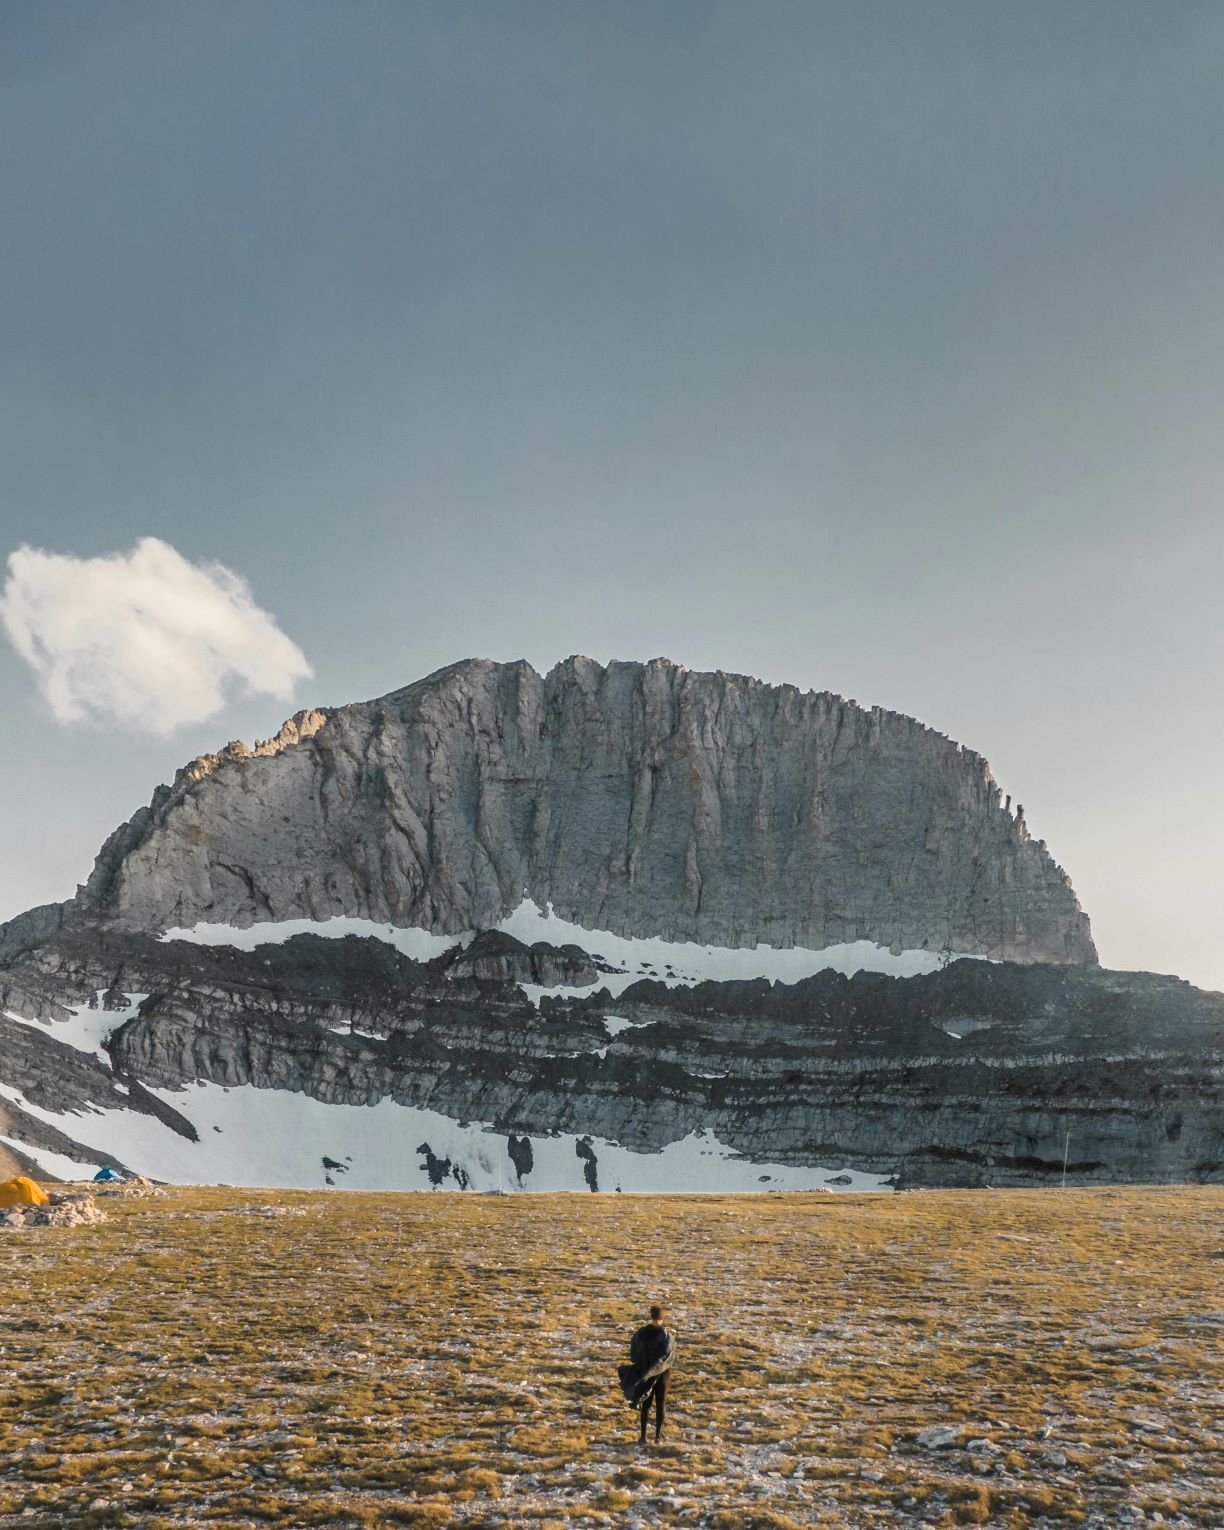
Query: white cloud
{"type": "Point", "coordinates": [143, 638]}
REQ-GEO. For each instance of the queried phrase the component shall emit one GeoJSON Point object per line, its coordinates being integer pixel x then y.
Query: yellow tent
{"type": "Point", "coordinates": [20, 1191]}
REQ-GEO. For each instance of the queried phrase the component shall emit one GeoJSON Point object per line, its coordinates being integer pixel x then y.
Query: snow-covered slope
{"type": "Point", "coordinates": [283, 1139]}
{"type": "Point", "coordinates": [683, 963]}
{"type": "Point", "coordinates": [89, 1026]}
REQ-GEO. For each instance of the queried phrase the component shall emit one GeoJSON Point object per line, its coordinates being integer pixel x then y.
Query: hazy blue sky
{"type": "Point", "coordinates": [873, 347]}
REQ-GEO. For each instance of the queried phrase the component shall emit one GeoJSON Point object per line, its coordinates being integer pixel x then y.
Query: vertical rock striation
{"type": "Point", "coordinates": [637, 798]}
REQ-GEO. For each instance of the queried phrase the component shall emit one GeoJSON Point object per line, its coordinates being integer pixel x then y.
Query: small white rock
{"type": "Point", "coordinates": [940, 1437]}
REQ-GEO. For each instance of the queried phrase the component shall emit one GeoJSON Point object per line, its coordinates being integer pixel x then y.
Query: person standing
{"type": "Point", "coordinates": [652, 1352]}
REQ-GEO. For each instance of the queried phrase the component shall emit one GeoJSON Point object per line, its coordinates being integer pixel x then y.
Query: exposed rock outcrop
{"type": "Point", "coordinates": [637, 798]}
{"type": "Point", "coordinates": [494, 957]}
{"type": "Point", "coordinates": [977, 1074]}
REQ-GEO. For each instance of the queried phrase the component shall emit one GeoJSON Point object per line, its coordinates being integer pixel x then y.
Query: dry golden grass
{"type": "Point", "coordinates": [399, 1360]}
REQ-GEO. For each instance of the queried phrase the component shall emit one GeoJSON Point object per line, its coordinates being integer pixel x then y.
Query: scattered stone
{"type": "Point", "coordinates": [269, 1211]}
{"type": "Point", "coordinates": [63, 1210]}
{"type": "Point", "coordinates": [940, 1437]}
{"type": "Point", "coordinates": [136, 1187]}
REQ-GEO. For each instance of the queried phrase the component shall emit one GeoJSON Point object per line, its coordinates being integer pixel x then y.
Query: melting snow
{"type": "Point", "coordinates": [90, 1025]}
{"type": "Point", "coordinates": [683, 963]}
{"type": "Point", "coordinates": [277, 1139]}
{"type": "Point", "coordinates": [57, 1165]}
{"type": "Point", "coordinates": [420, 945]}
{"type": "Point", "coordinates": [614, 1024]}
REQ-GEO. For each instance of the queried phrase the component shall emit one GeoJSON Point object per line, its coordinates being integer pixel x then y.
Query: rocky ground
{"type": "Point", "coordinates": [63, 1209]}
{"type": "Point", "coordinates": [220, 1358]}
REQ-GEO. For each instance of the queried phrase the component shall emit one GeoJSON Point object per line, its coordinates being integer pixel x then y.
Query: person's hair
{"type": "Point", "coordinates": [656, 1312]}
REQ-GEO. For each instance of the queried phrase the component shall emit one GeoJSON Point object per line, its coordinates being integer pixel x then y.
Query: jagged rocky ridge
{"type": "Point", "coordinates": [639, 800]}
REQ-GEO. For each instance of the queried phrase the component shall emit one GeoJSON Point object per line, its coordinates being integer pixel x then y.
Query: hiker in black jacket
{"type": "Point", "coordinates": [644, 1380]}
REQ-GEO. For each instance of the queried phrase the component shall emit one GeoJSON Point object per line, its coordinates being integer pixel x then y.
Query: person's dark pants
{"type": "Point", "coordinates": [658, 1396]}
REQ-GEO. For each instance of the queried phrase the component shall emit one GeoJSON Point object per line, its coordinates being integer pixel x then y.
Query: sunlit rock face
{"type": "Point", "coordinates": [641, 799]}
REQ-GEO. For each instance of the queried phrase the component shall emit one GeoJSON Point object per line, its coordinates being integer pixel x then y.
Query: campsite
{"type": "Point", "coordinates": [211, 1357]}
{"type": "Point", "coordinates": [21, 1190]}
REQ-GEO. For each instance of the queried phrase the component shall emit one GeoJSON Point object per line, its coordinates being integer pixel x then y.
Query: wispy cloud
{"type": "Point", "coordinates": [142, 638]}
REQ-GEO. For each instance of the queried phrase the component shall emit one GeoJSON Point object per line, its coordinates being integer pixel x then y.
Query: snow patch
{"type": "Point", "coordinates": [683, 963]}
{"type": "Point", "coordinates": [675, 963]}
{"type": "Point", "coordinates": [277, 1139]}
{"type": "Point", "coordinates": [615, 1024]}
{"type": "Point", "coordinates": [53, 1165]}
{"type": "Point", "coordinates": [420, 945]}
{"type": "Point", "coordinates": [90, 1026]}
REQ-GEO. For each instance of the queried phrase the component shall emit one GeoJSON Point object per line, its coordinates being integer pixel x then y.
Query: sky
{"type": "Point", "coordinates": [873, 347]}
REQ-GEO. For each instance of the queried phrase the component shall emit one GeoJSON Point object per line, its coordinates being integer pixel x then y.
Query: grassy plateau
{"type": "Point", "coordinates": [212, 1357]}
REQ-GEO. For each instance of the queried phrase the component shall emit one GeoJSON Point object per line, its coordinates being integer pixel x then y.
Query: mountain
{"type": "Point", "coordinates": [637, 798]}
{"type": "Point", "coordinates": [610, 927]}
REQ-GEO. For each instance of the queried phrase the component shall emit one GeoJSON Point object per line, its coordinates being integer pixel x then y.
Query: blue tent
{"type": "Point", "coordinates": [107, 1173]}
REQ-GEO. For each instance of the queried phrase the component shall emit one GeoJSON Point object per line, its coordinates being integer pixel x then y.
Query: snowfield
{"type": "Point", "coordinates": [279, 1139]}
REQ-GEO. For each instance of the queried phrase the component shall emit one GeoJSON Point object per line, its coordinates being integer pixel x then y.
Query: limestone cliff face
{"type": "Point", "coordinates": [637, 798]}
